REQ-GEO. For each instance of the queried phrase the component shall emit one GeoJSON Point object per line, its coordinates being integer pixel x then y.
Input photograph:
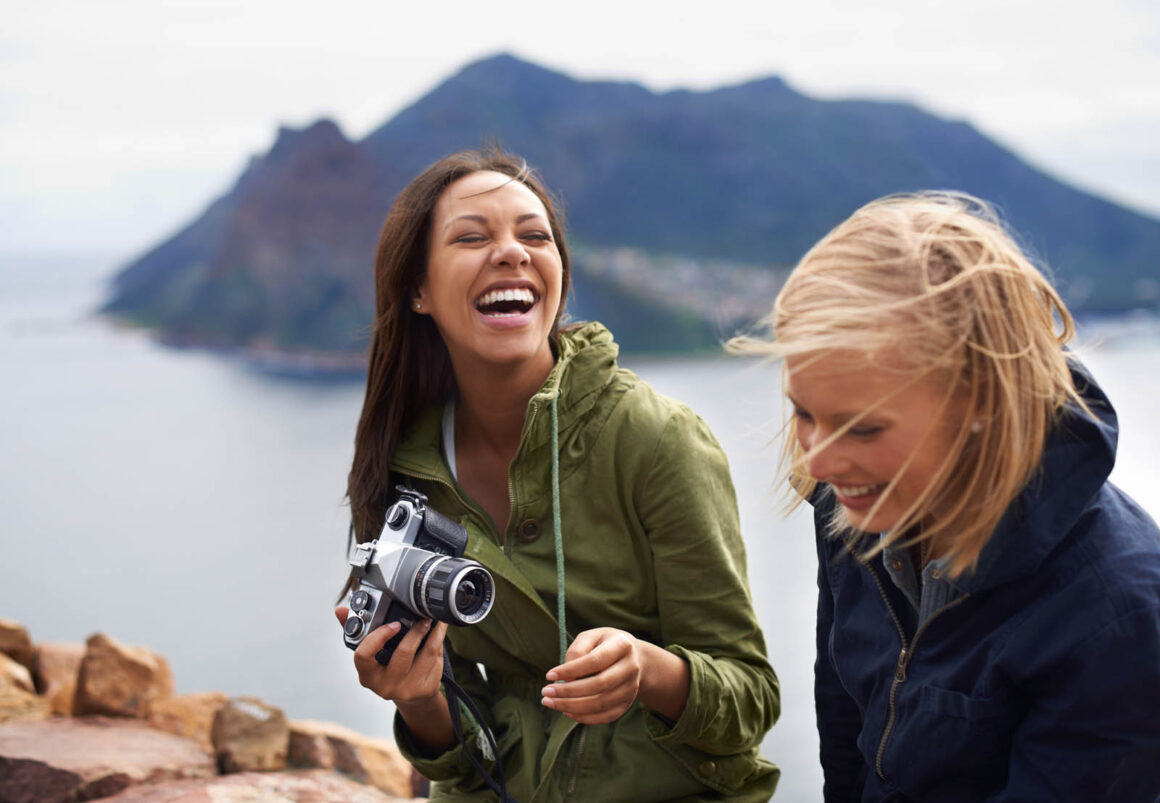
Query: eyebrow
{"type": "Point", "coordinates": [483, 219]}
{"type": "Point", "coordinates": [841, 415]}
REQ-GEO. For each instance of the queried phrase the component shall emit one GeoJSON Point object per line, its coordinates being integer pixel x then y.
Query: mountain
{"type": "Point", "coordinates": [670, 198]}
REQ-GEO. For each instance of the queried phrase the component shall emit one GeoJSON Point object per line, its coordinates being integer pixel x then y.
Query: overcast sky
{"type": "Point", "coordinates": [121, 120]}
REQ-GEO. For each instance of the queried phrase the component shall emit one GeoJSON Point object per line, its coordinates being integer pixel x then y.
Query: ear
{"type": "Point", "coordinates": [418, 304]}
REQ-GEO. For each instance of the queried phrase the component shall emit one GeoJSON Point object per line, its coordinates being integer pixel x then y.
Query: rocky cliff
{"type": "Point", "coordinates": [101, 721]}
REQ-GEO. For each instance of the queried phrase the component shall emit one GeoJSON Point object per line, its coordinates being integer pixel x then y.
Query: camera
{"type": "Point", "coordinates": [415, 570]}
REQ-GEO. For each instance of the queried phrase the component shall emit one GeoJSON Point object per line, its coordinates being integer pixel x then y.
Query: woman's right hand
{"type": "Point", "coordinates": [416, 668]}
{"type": "Point", "coordinates": [411, 679]}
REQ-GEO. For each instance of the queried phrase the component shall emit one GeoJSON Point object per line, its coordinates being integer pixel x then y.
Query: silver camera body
{"type": "Point", "coordinates": [415, 570]}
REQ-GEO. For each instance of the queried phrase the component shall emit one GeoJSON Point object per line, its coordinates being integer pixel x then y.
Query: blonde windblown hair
{"type": "Point", "coordinates": [933, 282]}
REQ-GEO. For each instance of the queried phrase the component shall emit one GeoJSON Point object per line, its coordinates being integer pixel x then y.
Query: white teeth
{"type": "Point", "coordinates": [859, 490]}
{"type": "Point", "coordinates": [510, 294]}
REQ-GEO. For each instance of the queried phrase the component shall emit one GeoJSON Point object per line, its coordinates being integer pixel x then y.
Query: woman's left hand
{"type": "Point", "coordinates": [606, 669]}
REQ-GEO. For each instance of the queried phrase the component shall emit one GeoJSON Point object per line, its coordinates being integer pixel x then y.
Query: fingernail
{"type": "Point", "coordinates": [547, 703]}
{"type": "Point", "coordinates": [393, 626]}
{"type": "Point", "coordinates": [552, 675]}
{"type": "Point", "coordinates": [548, 691]}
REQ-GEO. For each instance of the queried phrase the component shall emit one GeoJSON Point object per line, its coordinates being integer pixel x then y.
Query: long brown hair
{"type": "Point", "coordinates": [409, 368]}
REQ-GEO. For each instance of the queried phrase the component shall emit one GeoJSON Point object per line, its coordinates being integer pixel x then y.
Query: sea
{"type": "Point", "coordinates": [184, 501]}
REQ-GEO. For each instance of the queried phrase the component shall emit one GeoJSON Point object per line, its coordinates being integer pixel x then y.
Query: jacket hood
{"type": "Point", "coordinates": [585, 364]}
{"type": "Point", "coordinates": [1077, 458]}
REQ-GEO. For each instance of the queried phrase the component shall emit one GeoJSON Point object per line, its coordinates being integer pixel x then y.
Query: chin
{"type": "Point", "coordinates": [881, 521]}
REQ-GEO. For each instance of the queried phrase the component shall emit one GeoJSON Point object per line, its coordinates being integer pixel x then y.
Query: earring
{"type": "Point", "coordinates": [418, 306]}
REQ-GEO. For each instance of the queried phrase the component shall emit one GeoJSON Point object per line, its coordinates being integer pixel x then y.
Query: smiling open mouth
{"type": "Point", "coordinates": [507, 302]}
{"type": "Point", "coordinates": [854, 491]}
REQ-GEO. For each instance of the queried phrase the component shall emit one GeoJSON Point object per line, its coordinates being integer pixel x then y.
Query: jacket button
{"type": "Point", "coordinates": [897, 564]}
{"type": "Point", "coordinates": [707, 768]}
{"type": "Point", "coordinates": [529, 530]}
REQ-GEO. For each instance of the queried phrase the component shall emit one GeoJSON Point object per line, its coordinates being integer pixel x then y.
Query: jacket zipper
{"type": "Point", "coordinates": [576, 764]}
{"type": "Point", "coordinates": [904, 657]}
{"type": "Point", "coordinates": [510, 486]}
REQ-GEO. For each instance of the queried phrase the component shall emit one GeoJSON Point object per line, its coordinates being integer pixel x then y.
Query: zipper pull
{"type": "Point", "coordinates": [900, 672]}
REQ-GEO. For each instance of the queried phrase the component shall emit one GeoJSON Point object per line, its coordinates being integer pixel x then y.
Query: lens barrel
{"type": "Point", "coordinates": [454, 590]}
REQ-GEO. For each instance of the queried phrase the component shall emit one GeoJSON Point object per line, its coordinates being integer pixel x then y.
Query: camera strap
{"type": "Point", "coordinates": [456, 695]}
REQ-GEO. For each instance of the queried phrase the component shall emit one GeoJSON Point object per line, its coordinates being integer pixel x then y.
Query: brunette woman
{"type": "Point", "coordinates": [622, 659]}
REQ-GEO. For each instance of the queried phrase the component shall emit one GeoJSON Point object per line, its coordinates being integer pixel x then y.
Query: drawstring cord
{"type": "Point", "coordinates": [556, 528]}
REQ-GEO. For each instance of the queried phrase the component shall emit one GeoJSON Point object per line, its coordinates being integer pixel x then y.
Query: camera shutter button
{"type": "Point", "coordinates": [529, 530]}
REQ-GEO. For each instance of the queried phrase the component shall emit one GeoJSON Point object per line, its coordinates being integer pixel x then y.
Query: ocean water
{"type": "Point", "coordinates": [177, 500]}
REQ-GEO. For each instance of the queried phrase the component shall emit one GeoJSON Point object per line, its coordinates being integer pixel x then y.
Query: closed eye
{"type": "Point", "coordinates": [469, 238]}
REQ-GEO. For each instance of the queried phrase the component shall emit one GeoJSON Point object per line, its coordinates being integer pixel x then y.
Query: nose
{"type": "Point", "coordinates": [823, 461]}
{"type": "Point", "coordinates": [510, 253]}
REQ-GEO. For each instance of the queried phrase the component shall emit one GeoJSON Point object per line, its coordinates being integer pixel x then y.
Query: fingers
{"type": "Point", "coordinates": [592, 652]}
{"type": "Point", "coordinates": [342, 612]}
{"type": "Point", "coordinates": [599, 680]}
{"type": "Point", "coordinates": [415, 668]}
{"type": "Point", "coordinates": [593, 710]}
{"type": "Point", "coordinates": [606, 682]}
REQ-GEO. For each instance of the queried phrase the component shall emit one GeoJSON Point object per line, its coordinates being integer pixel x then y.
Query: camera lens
{"type": "Point", "coordinates": [354, 626]}
{"type": "Point", "coordinates": [468, 597]}
{"type": "Point", "coordinates": [455, 590]}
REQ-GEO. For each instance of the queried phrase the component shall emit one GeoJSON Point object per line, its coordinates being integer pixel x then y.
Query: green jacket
{"type": "Point", "coordinates": [652, 546]}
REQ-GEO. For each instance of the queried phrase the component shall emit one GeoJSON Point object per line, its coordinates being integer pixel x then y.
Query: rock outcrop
{"type": "Point", "coordinates": [189, 715]}
{"type": "Point", "coordinates": [374, 761]}
{"type": "Point", "coordinates": [57, 668]}
{"type": "Point", "coordinates": [100, 721]}
{"type": "Point", "coordinates": [248, 734]}
{"type": "Point", "coordinates": [298, 786]}
{"type": "Point", "coordinates": [91, 757]}
{"type": "Point", "coordinates": [121, 681]}
{"type": "Point", "coordinates": [17, 645]}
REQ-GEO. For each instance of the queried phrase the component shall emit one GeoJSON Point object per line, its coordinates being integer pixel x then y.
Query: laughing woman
{"type": "Point", "coordinates": [664, 691]}
{"type": "Point", "coordinates": [989, 604]}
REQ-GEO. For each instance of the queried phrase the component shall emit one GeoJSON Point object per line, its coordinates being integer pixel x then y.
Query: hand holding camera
{"type": "Point", "coordinates": [410, 584]}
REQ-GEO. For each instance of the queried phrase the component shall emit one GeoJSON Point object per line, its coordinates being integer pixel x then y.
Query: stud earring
{"type": "Point", "coordinates": [418, 306]}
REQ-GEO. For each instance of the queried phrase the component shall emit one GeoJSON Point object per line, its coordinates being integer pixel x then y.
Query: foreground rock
{"type": "Point", "coordinates": [57, 668]}
{"type": "Point", "coordinates": [300, 786]}
{"type": "Point", "coordinates": [189, 715]}
{"type": "Point", "coordinates": [121, 681]}
{"type": "Point", "coordinates": [13, 673]}
{"type": "Point", "coordinates": [17, 644]}
{"type": "Point", "coordinates": [82, 759]}
{"type": "Point", "coordinates": [248, 734]}
{"type": "Point", "coordinates": [140, 742]}
{"type": "Point", "coordinates": [18, 705]}
{"type": "Point", "coordinates": [374, 761]}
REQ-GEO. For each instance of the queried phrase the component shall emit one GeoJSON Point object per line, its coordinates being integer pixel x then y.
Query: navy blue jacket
{"type": "Point", "coordinates": [1042, 683]}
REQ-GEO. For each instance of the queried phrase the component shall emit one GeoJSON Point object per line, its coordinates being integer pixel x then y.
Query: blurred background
{"type": "Point", "coordinates": [190, 194]}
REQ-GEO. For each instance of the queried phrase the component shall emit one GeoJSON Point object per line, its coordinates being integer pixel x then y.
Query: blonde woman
{"type": "Point", "coordinates": [989, 604]}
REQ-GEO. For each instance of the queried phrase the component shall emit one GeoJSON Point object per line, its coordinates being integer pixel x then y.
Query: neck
{"type": "Point", "coordinates": [493, 401]}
